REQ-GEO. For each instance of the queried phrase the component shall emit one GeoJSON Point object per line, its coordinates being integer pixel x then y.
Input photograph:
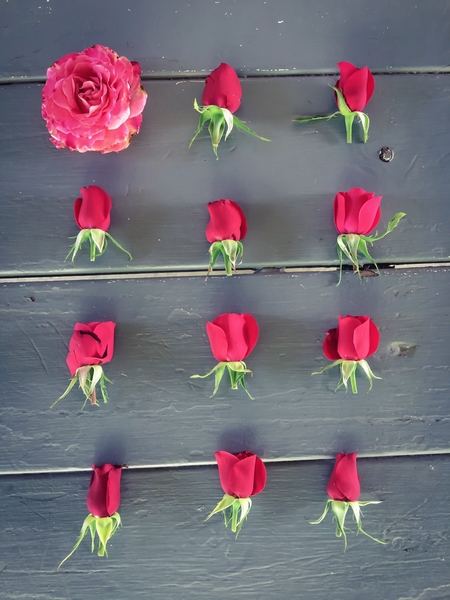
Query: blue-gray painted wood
{"type": "Point", "coordinates": [160, 188]}
{"type": "Point", "coordinates": [255, 36]}
{"type": "Point", "coordinates": [165, 548]}
{"type": "Point", "coordinates": [158, 415]}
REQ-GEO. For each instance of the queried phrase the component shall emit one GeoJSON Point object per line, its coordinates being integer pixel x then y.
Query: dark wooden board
{"type": "Point", "coordinates": [158, 415]}
{"type": "Point", "coordinates": [269, 36]}
{"type": "Point", "coordinates": [161, 188]}
{"type": "Point", "coordinates": [167, 550]}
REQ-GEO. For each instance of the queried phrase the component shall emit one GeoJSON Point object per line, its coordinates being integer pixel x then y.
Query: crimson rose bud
{"type": "Point", "coordinates": [103, 497]}
{"type": "Point", "coordinates": [227, 221]}
{"type": "Point", "coordinates": [356, 211]}
{"type": "Point", "coordinates": [241, 475]}
{"type": "Point", "coordinates": [355, 338]}
{"type": "Point", "coordinates": [344, 481]}
{"type": "Point", "coordinates": [90, 344]}
{"type": "Point", "coordinates": [232, 337]}
{"type": "Point", "coordinates": [223, 89]}
{"type": "Point", "coordinates": [92, 210]}
{"type": "Point", "coordinates": [356, 85]}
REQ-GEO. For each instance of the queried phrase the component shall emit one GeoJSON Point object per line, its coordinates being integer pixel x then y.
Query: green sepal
{"type": "Point", "coordinates": [243, 127]}
{"type": "Point", "coordinates": [357, 516]}
{"type": "Point", "coordinates": [97, 239]}
{"type": "Point", "coordinates": [231, 250]}
{"type": "Point", "coordinates": [318, 118]}
{"type": "Point", "coordinates": [348, 373]}
{"type": "Point", "coordinates": [340, 509]}
{"type": "Point", "coordinates": [88, 378]}
{"type": "Point", "coordinates": [105, 527]}
{"type": "Point", "coordinates": [349, 117]}
{"type": "Point", "coordinates": [236, 371]}
{"type": "Point", "coordinates": [391, 226]}
{"type": "Point", "coordinates": [235, 511]}
{"type": "Point", "coordinates": [221, 122]}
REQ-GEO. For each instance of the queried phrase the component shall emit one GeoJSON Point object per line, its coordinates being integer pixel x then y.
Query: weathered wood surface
{"type": "Point", "coordinates": [160, 188]}
{"type": "Point", "coordinates": [158, 415]}
{"type": "Point", "coordinates": [269, 36]}
{"type": "Point", "coordinates": [167, 550]}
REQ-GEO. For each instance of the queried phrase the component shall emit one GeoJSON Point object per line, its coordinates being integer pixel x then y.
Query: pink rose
{"type": "Point", "coordinates": [93, 101]}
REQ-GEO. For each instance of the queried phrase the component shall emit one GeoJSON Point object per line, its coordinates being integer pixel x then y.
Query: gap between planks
{"type": "Point", "coordinates": [175, 274]}
{"type": "Point", "coordinates": [211, 463]}
{"type": "Point", "coordinates": [258, 74]}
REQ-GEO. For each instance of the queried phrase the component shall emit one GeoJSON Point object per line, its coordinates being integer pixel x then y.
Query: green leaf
{"type": "Point", "coordinates": [362, 247]}
{"type": "Point", "coordinates": [349, 126]}
{"type": "Point", "coordinates": [205, 116]}
{"type": "Point", "coordinates": [110, 237]}
{"type": "Point", "coordinates": [218, 378]}
{"type": "Point", "coordinates": [231, 248]}
{"type": "Point", "coordinates": [88, 520]}
{"type": "Point", "coordinates": [241, 125]}
{"type": "Point", "coordinates": [209, 372]}
{"type": "Point", "coordinates": [348, 243]}
{"type": "Point", "coordinates": [226, 502]}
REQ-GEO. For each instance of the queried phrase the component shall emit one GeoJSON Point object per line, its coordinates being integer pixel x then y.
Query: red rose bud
{"type": "Point", "coordinates": [221, 98]}
{"type": "Point", "coordinates": [344, 490]}
{"type": "Point", "coordinates": [91, 345]}
{"type": "Point", "coordinates": [103, 499]}
{"type": "Point", "coordinates": [223, 88]}
{"type": "Point", "coordinates": [356, 214]}
{"type": "Point", "coordinates": [353, 91]}
{"type": "Point", "coordinates": [93, 101]}
{"type": "Point", "coordinates": [344, 481]}
{"type": "Point", "coordinates": [232, 337]}
{"type": "Point", "coordinates": [103, 502]}
{"type": "Point", "coordinates": [356, 85]}
{"type": "Point", "coordinates": [241, 475]}
{"type": "Point", "coordinates": [226, 227]}
{"type": "Point", "coordinates": [349, 345]}
{"type": "Point", "coordinates": [92, 214]}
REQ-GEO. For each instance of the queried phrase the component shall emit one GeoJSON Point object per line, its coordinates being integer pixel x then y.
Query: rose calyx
{"type": "Point", "coordinates": [104, 527]}
{"type": "Point", "coordinates": [236, 371]}
{"type": "Point", "coordinates": [348, 373]}
{"type": "Point", "coordinates": [235, 511]}
{"type": "Point", "coordinates": [88, 377]}
{"type": "Point", "coordinates": [231, 250]}
{"type": "Point", "coordinates": [221, 121]}
{"type": "Point", "coordinates": [340, 508]}
{"type": "Point", "coordinates": [98, 240]}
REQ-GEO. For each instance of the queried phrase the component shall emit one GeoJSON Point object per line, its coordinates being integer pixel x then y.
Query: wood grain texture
{"type": "Point", "coordinates": [160, 188]}
{"type": "Point", "coordinates": [174, 37]}
{"type": "Point", "coordinates": [166, 547]}
{"type": "Point", "coordinates": [158, 415]}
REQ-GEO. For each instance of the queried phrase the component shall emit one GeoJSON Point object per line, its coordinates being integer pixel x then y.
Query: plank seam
{"type": "Point", "coordinates": [268, 461]}
{"type": "Point", "coordinates": [202, 273]}
{"type": "Point", "coordinates": [260, 74]}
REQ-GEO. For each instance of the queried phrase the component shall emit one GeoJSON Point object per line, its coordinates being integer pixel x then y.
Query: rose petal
{"type": "Point", "coordinates": [225, 463]}
{"type": "Point", "coordinates": [218, 342]}
{"type": "Point", "coordinates": [330, 345]}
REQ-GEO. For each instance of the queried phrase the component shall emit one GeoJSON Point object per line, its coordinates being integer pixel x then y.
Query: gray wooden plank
{"type": "Point", "coordinates": [161, 188]}
{"type": "Point", "coordinates": [166, 547]}
{"type": "Point", "coordinates": [174, 37]}
{"type": "Point", "coordinates": [161, 341]}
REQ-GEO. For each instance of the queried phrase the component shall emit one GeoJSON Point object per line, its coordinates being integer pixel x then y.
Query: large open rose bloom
{"type": "Point", "coordinates": [93, 101]}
